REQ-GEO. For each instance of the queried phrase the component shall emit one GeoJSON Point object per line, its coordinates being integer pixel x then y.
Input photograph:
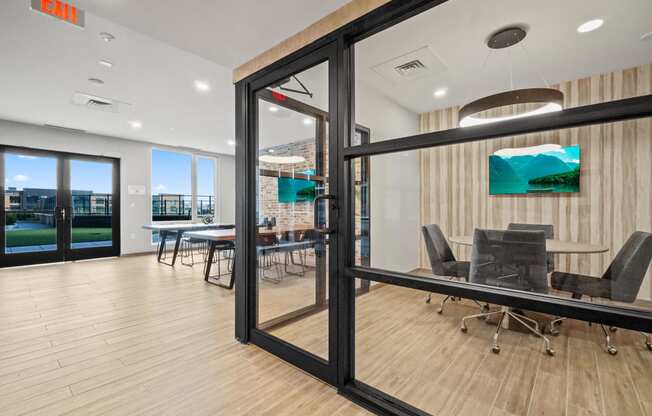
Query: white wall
{"type": "Point", "coordinates": [135, 162]}
{"type": "Point", "coordinates": [395, 183]}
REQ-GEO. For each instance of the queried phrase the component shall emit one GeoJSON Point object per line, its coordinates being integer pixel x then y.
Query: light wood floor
{"type": "Point", "coordinates": [406, 349]}
{"type": "Point", "coordinates": [130, 336]}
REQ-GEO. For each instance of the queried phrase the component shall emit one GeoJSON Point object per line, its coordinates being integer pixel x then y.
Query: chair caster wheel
{"type": "Point", "coordinates": [464, 329]}
{"type": "Point", "coordinates": [554, 331]}
{"type": "Point", "coordinates": [440, 311]}
{"type": "Point", "coordinates": [649, 346]}
{"type": "Point", "coordinates": [613, 329]}
{"type": "Point", "coordinates": [495, 349]}
{"type": "Point", "coordinates": [428, 300]}
{"type": "Point", "coordinates": [550, 352]}
{"type": "Point", "coordinates": [612, 350]}
{"type": "Point", "coordinates": [486, 309]}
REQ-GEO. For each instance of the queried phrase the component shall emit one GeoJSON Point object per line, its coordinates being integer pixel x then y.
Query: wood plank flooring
{"type": "Point", "coordinates": [406, 349]}
{"type": "Point", "coordinates": [131, 337]}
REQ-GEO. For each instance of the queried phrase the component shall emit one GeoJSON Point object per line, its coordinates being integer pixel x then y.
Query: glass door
{"type": "Point", "coordinates": [294, 255]}
{"type": "Point", "coordinates": [57, 207]}
{"type": "Point", "coordinates": [91, 226]}
{"type": "Point", "coordinates": [32, 210]}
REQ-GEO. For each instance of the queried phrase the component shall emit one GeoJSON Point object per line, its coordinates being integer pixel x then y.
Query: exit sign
{"type": "Point", "coordinates": [61, 10]}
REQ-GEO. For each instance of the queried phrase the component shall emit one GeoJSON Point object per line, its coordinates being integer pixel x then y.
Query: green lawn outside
{"type": "Point", "coordinates": [45, 236]}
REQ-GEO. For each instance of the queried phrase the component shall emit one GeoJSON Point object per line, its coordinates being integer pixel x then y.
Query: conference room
{"type": "Point", "coordinates": [515, 225]}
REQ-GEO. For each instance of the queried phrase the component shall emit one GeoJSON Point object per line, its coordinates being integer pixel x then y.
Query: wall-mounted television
{"type": "Point", "coordinates": [548, 168]}
{"type": "Point", "coordinates": [296, 190]}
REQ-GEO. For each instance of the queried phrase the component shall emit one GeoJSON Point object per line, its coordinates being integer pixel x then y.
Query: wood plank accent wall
{"type": "Point", "coordinates": [615, 195]}
{"type": "Point", "coordinates": [340, 17]}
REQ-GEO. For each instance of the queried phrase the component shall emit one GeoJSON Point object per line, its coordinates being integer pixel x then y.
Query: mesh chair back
{"type": "Point", "coordinates": [511, 259]}
{"type": "Point", "coordinates": [628, 268]}
{"type": "Point", "coordinates": [439, 252]}
{"type": "Point", "coordinates": [549, 231]}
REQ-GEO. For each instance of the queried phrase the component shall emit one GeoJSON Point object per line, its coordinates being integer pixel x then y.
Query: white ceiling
{"type": "Point", "coordinates": [228, 32]}
{"type": "Point", "coordinates": [456, 32]}
{"type": "Point", "coordinates": [45, 61]}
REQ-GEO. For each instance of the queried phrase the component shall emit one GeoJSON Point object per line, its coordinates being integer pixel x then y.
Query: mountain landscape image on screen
{"type": "Point", "coordinates": [548, 168]}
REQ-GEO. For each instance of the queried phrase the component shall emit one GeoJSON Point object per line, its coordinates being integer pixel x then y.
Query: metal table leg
{"type": "Point", "coordinates": [217, 280]}
{"type": "Point", "coordinates": [163, 238]}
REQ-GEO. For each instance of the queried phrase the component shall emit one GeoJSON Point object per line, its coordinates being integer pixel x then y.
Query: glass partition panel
{"type": "Point", "coordinates": [406, 349]}
{"type": "Point", "coordinates": [91, 184]}
{"type": "Point", "coordinates": [292, 171]}
{"type": "Point", "coordinates": [459, 52]}
{"type": "Point", "coordinates": [564, 213]}
{"type": "Point", "coordinates": [30, 203]}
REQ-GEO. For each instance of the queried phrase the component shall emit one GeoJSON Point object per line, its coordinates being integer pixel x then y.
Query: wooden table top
{"type": "Point", "coordinates": [552, 246]}
{"type": "Point", "coordinates": [229, 235]}
{"type": "Point", "coordinates": [181, 226]}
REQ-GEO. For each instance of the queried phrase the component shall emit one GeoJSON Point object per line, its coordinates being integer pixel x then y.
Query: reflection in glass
{"type": "Point", "coordinates": [292, 170]}
{"type": "Point", "coordinates": [92, 204]}
{"type": "Point", "coordinates": [30, 203]}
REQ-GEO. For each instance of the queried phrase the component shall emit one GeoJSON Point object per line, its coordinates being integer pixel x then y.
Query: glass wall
{"type": "Point", "coordinates": [434, 64]}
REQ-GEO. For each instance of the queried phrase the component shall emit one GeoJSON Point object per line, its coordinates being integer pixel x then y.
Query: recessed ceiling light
{"type": "Point", "coordinates": [106, 63]}
{"type": "Point", "coordinates": [440, 92]}
{"type": "Point", "coordinates": [646, 36]}
{"type": "Point", "coordinates": [107, 37]}
{"type": "Point", "coordinates": [590, 26]}
{"type": "Point", "coordinates": [273, 109]}
{"type": "Point", "coordinates": [136, 124]}
{"type": "Point", "coordinates": [202, 86]}
{"type": "Point", "coordinates": [231, 142]}
{"type": "Point", "coordinates": [95, 81]}
{"type": "Point", "coordinates": [307, 121]}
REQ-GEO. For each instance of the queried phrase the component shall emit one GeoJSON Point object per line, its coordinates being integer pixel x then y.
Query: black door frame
{"type": "Point", "coordinates": [345, 37]}
{"type": "Point", "coordinates": [246, 289]}
{"type": "Point", "coordinates": [64, 250]}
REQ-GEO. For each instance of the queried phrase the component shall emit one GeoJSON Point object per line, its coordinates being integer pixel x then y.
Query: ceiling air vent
{"type": "Point", "coordinates": [420, 63]}
{"type": "Point", "coordinates": [94, 102]}
{"type": "Point", "coordinates": [410, 69]}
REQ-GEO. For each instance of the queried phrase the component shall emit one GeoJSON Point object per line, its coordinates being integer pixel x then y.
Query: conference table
{"type": "Point", "coordinates": [178, 229]}
{"type": "Point", "coordinates": [552, 246]}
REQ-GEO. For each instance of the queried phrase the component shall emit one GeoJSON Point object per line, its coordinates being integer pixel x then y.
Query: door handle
{"type": "Point", "coordinates": [325, 197]}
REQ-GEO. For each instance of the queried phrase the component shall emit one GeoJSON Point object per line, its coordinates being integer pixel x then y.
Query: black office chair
{"type": "Point", "coordinates": [621, 282]}
{"type": "Point", "coordinates": [549, 231]}
{"type": "Point", "coordinates": [514, 260]}
{"type": "Point", "coordinates": [443, 262]}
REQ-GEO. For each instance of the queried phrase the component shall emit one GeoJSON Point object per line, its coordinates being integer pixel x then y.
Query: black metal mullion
{"type": "Point", "coordinates": [3, 218]}
{"type": "Point", "coordinates": [612, 111]}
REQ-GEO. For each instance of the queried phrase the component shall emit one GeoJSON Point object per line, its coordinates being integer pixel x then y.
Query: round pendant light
{"type": "Point", "coordinates": [542, 100]}
{"type": "Point", "coordinates": [538, 100]}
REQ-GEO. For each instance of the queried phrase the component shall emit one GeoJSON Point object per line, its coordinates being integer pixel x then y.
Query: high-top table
{"type": "Point", "coordinates": [178, 229]}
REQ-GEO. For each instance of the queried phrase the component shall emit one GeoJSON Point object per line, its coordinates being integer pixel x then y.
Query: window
{"type": "Point", "coordinates": [171, 186]}
{"type": "Point", "coordinates": [205, 187]}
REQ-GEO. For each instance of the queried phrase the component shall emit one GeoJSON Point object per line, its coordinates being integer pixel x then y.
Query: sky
{"type": "Point", "coordinates": [23, 171]}
{"type": "Point", "coordinates": [172, 174]}
{"type": "Point", "coordinates": [567, 154]}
